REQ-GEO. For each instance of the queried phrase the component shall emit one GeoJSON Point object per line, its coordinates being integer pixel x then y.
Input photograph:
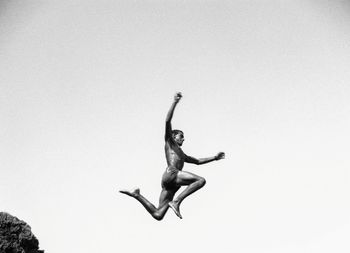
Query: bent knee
{"type": "Point", "coordinates": [158, 216]}
{"type": "Point", "coordinates": [201, 182]}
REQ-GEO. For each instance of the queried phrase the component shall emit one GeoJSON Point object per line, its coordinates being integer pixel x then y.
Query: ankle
{"type": "Point", "coordinates": [176, 202]}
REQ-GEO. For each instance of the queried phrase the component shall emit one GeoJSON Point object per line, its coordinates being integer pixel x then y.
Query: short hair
{"type": "Point", "coordinates": [176, 131]}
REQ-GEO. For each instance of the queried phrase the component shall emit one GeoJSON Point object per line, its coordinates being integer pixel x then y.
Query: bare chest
{"type": "Point", "coordinates": [174, 152]}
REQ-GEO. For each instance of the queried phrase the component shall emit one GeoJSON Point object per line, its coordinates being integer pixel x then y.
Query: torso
{"type": "Point", "coordinates": [175, 157]}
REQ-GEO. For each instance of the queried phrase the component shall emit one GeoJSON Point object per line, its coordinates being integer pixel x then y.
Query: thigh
{"type": "Point", "coordinates": [186, 178]}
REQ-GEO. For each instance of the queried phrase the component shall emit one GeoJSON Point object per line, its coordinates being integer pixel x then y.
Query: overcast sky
{"type": "Point", "coordinates": [84, 90]}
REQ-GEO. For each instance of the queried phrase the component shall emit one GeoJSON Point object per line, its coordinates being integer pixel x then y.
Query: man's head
{"type": "Point", "coordinates": [178, 136]}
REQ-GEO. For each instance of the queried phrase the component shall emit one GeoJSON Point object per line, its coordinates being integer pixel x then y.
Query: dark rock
{"type": "Point", "coordinates": [16, 236]}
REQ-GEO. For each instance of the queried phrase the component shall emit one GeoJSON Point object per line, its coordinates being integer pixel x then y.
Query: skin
{"type": "Point", "coordinates": [176, 159]}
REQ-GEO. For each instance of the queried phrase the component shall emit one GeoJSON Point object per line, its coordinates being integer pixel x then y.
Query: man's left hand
{"type": "Point", "coordinates": [220, 155]}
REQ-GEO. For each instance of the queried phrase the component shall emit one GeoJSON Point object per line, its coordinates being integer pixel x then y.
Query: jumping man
{"type": "Point", "coordinates": [173, 177]}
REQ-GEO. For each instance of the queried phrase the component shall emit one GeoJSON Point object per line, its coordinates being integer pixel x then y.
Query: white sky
{"type": "Point", "coordinates": [84, 90]}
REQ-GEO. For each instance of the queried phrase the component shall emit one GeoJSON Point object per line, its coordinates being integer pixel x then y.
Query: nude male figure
{"type": "Point", "coordinates": [174, 177]}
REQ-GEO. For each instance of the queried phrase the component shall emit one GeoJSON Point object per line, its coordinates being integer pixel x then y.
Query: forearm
{"type": "Point", "coordinates": [171, 112]}
{"type": "Point", "coordinates": [206, 160]}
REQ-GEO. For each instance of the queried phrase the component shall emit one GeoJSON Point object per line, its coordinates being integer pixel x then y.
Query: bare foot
{"type": "Point", "coordinates": [173, 205]}
{"type": "Point", "coordinates": [133, 193]}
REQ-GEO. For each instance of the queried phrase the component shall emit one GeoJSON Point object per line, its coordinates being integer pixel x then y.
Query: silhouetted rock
{"type": "Point", "coordinates": [16, 236]}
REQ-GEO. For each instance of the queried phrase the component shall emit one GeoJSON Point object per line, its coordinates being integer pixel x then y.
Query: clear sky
{"type": "Point", "coordinates": [84, 90]}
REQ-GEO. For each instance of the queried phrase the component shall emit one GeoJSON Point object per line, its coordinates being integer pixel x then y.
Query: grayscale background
{"type": "Point", "coordinates": [84, 90]}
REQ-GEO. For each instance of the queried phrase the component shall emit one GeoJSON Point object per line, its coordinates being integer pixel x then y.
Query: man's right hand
{"type": "Point", "coordinates": [177, 97]}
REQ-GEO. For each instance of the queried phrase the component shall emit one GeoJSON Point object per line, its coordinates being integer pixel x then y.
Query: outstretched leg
{"type": "Point", "coordinates": [194, 183]}
{"type": "Point", "coordinates": [158, 213]}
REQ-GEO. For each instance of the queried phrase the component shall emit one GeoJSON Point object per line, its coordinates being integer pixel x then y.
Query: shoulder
{"type": "Point", "coordinates": [169, 140]}
{"type": "Point", "coordinates": [171, 144]}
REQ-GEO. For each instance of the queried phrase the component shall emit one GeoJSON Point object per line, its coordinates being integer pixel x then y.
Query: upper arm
{"type": "Point", "coordinates": [168, 130]}
{"type": "Point", "coordinates": [190, 159]}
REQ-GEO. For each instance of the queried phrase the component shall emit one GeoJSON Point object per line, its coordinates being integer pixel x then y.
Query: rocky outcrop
{"type": "Point", "coordinates": [16, 236]}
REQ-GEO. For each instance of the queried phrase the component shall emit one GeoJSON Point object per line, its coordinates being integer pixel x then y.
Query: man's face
{"type": "Point", "coordinates": [179, 138]}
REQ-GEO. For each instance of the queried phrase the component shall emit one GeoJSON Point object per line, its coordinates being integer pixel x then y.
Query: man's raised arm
{"type": "Point", "coordinates": [169, 116]}
{"type": "Point", "coordinates": [199, 161]}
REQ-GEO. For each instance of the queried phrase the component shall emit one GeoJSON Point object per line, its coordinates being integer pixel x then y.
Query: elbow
{"type": "Point", "coordinates": [196, 162]}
